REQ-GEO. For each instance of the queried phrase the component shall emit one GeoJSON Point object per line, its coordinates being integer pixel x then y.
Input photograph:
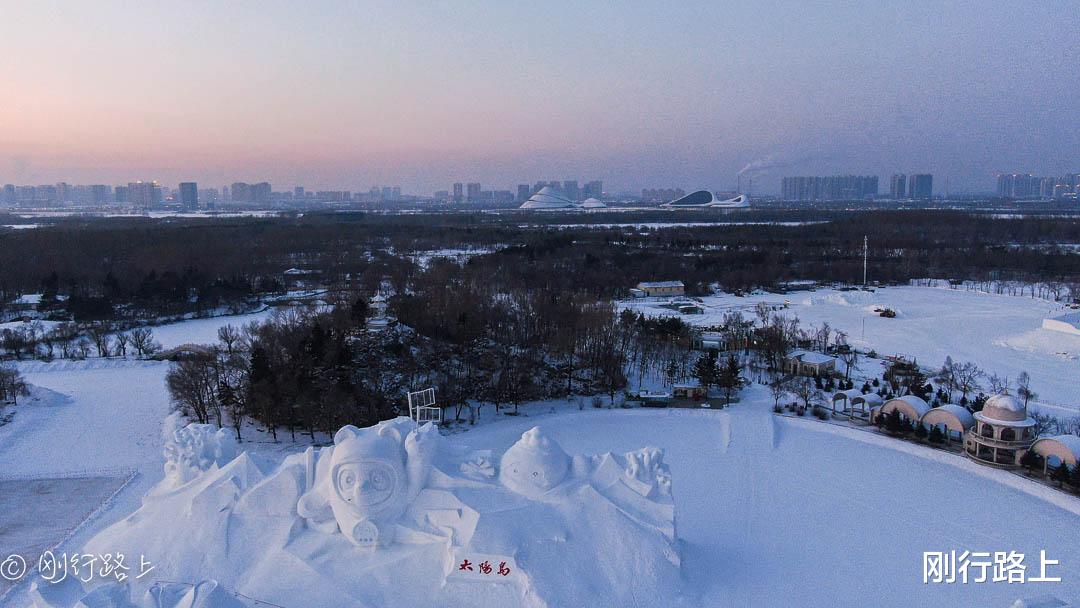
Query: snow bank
{"type": "Point", "coordinates": [391, 516]}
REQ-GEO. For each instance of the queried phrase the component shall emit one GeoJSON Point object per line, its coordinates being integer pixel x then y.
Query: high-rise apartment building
{"type": "Point", "coordinates": [593, 189]}
{"type": "Point", "coordinates": [472, 192]}
{"type": "Point", "coordinates": [570, 190]}
{"type": "Point", "coordinates": [921, 186]}
{"type": "Point", "coordinates": [143, 194]}
{"type": "Point", "coordinates": [898, 186]}
{"type": "Point", "coordinates": [189, 196]}
{"type": "Point", "coordinates": [830, 188]}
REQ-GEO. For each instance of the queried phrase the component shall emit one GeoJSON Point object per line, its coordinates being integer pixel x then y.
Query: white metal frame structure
{"type": "Point", "coordinates": [422, 408]}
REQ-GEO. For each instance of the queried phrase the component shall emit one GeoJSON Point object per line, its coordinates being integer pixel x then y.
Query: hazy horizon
{"type": "Point", "coordinates": [346, 95]}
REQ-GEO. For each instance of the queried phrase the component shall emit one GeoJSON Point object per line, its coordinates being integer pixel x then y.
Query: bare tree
{"type": "Point", "coordinates": [946, 377]}
{"type": "Point", "coordinates": [822, 337]}
{"type": "Point", "coordinates": [1023, 384]}
{"type": "Point", "coordinates": [229, 336]}
{"type": "Point", "coordinates": [847, 353]}
{"type": "Point", "coordinates": [142, 340]}
{"type": "Point", "coordinates": [192, 387]}
{"type": "Point", "coordinates": [998, 384]}
{"type": "Point", "coordinates": [122, 340]}
{"type": "Point", "coordinates": [967, 378]}
{"type": "Point", "coordinates": [806, 391]}
{"type": "Point", "coordinates": [778, 388]}
{"type": "Point", "coordinates": [99, 334]}
{"type": "Point", "coordinates": [1045, 424]}
{"type": "Point", "coordinates": [12, 384]}
{"type": "Point", "coordinates": [762, 311]}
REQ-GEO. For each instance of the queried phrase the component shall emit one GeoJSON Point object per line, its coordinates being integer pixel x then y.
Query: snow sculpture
{"type": "Point", "coordinates": [345, 524]}
{"type": "Point", "coordinates": [363, 483]}
{"type": "Point", "coordinates": [534, 464]}
{"type": "Point", "coordinates": [193, 449]}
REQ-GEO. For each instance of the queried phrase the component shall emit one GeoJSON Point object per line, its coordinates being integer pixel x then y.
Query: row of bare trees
{"type": "Point", "coordinates": [76, 341]}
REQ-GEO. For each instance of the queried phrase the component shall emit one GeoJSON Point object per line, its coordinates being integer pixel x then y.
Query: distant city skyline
{"type": "Point", "coordinates": [341, 95]}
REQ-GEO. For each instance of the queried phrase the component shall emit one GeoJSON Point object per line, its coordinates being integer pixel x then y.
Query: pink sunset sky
{"type": "Point", "coordinates": [422, 94]}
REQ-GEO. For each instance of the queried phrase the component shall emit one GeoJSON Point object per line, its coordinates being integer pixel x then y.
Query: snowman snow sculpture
{"type": "Point", "coordinates": [534, 465]}
{"type": "Point", "coordinates": [366, 481]}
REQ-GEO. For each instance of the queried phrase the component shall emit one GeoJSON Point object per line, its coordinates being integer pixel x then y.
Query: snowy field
{"type": "Point", "coordinates": [203, 331]}
{"type": "Point", "coordinates": [1000, 333]}
{"type": "Point", "coordinates": [770, 511]}
{"type": "Point", "coordinates": [36, 514]}
{"type": "Point", "coordinates": [777, 512]}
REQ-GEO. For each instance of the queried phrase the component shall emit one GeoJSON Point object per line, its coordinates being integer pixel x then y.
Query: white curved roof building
{"type": "Point", "coordinates": [704, 199]}
{"type": "Point", "coordinates": [548, 198]}
{"type": "Point", "coordinates": [911, 407]}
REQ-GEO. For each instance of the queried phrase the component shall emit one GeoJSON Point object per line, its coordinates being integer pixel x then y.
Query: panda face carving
{"type": "Point", "coordinates": [365, 485]}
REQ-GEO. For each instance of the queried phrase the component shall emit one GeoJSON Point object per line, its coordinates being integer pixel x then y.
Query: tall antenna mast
{"type": "Point", "coordinates": [865, 250]}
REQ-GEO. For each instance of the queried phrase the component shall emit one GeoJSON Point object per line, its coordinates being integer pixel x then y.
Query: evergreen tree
{"type": "Point", "coordinates": [921, 432]}
{"type": "Point", "coordinates": [1061, 475]}
{"type": "Point", "coordinates": [1031, 461]}
{"type": "Point", "coordinates": [936, 436]}
{"type": "Point", "coordinates": [705, 369]}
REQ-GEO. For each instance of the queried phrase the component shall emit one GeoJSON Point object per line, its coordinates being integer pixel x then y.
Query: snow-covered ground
{"type": "Point", "coordinates": [779, 512]}
{"type": "Point", "coordinates": [773, 511]}
{"type": "Point", "coordinates": [1002, 334]}
{"type": "Point", "coordinates": [203, 331]}
{"type": "Point", "coordinates": [770, 511]}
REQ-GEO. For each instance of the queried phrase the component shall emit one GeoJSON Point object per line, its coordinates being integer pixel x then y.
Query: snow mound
{"type": "Point", "coordinates": [1043, 342]}
{"type": "Point", "coordinates": [841, 298]}
{"type": "Point", "coordinates": [391, 516]}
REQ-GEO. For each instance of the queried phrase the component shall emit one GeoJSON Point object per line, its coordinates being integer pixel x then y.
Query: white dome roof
{"type": "Point", "coordinates": [1004, 407]}
{"type": "Point", "coordinates": [547, 198]}
{"type": "Point", "coordinates": [593, 203]}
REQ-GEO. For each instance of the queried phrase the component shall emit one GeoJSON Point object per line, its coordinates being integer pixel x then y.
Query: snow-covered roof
{"type": "Point", "coordinates": [1005, 407]}
{"type": "Point", "coordinates": [909, 404]}
{"type": "Point", "coordinates": [811, 357]}
{"type": "Point", "coordinates": [547, 198]}
{"type": "Point", "coordinates": [29, 299]}
{"type": "Point", "coordinates": [299, 271]}
{"type": "Point", "coordinates": [1069, 442]}
{"type": "Point", "coordinates": [961, 413]}
{"type": "Point", "coordinates": [658, 284]}
{"type": "Point", "coordinates": [982, 417]}
{"type": "Point", "coordinates": [849, 394]}
{"type": "Point", "coordinates": [871, 399]}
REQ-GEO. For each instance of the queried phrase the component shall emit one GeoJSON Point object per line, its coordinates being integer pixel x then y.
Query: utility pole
{"type": "Point", "coordinates": [865, 249]}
